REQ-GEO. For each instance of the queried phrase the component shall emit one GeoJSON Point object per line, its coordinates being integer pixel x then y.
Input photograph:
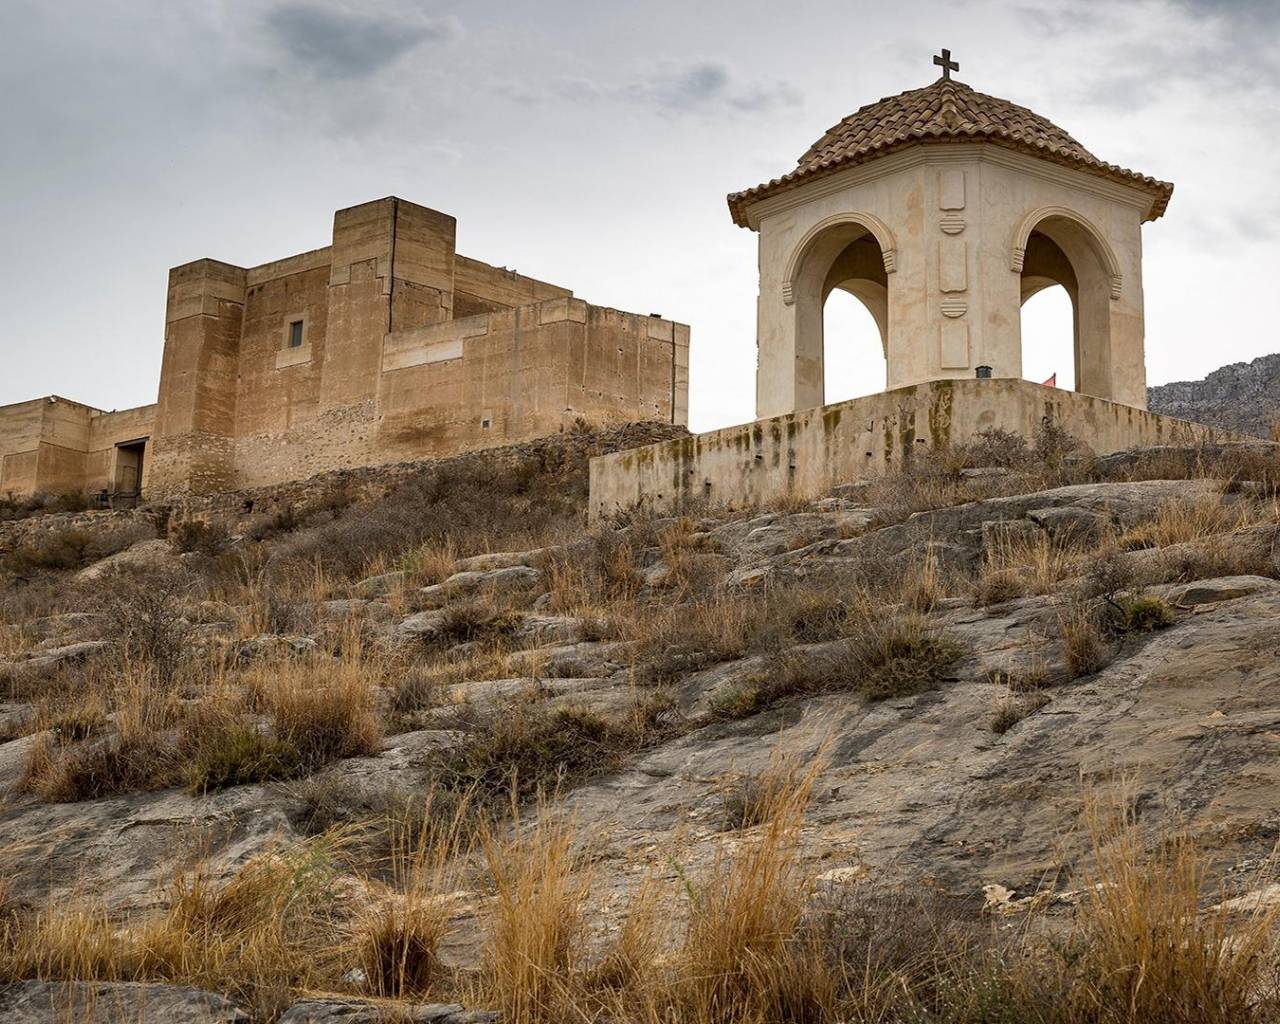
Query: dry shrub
{"type": "Point", "coordinates": [223, 747]}
{"type": "Point", "coordinates": [601, 571]}
{"type": "Point", "coordinates": [138, 755]}
{"type": "Point", "coordinates": [996, 586]}
{"type": "Point", "coordinates": [146, 614]}
{"type": "Point", "coordinates": [1029, 565]}
{"type": "Point", "coordinates": [517, 750]}
{"type": "Point", "coordinates": [885, 654]}
{"type": "Point", "coordinates": [1144, 950]}
{"type": "Point", "coordinates": [479, 620]}
{"type": "Point", "coordinates": [1014, 707]}
{"type": "Point", "coordinates": [1084, 644]}
{"type": "Point", "coordinates": [73, 547]}
{"type": "Point", "coordinates": [692, 637]}
{"type": "Point", "coordinates": [258, 936]}
{"type": "Point", "coordinates": [200, 536]}
{"type": "Point", "coordinates": [325, 711]}
{"type": "Point", "coordinates": [755, 798]}
{"type": "Point", "coordinates": [745, 956]}
{"type": "Point", "coordinates": [512, 502]}
{"type": "Point", "coordinates": [44, 503]}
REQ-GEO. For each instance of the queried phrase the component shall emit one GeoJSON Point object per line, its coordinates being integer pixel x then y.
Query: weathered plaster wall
{"type": "Point", "coordinates": [806, 453]}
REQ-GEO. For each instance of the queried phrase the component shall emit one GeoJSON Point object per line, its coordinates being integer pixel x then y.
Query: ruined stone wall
{"type": "Point", "coordinates": [805, 454]}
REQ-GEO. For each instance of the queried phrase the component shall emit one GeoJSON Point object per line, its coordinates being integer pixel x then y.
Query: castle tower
{"type": "Point", "coordinates": [943, 210]}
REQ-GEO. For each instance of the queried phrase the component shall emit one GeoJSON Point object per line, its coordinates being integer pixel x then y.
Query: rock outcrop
{"type": "Point", "coordinates": [1241, 396]}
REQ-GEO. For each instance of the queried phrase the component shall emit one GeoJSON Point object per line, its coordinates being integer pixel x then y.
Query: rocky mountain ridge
{"type": "Point", "coordinates": [1239, 396]}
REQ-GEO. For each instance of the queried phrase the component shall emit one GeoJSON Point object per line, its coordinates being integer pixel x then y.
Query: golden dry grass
{"type": "Point", "coordinates": [1176, 522]}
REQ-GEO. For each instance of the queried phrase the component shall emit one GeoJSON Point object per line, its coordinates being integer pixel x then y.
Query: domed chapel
{"type": "Point", "coordinates": [942, 209]}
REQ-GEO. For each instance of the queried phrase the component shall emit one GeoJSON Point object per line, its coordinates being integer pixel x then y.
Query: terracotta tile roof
{"type": "Point", "coordinates": [946, 111]}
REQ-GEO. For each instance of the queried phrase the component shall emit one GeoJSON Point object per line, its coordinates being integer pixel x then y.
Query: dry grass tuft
{"type": "Point", "coordinates": [397, 941]}
{"type": "Point", "coordinates": [1084, 645]}
{"type": "Point", "coordinates": [535, 947]}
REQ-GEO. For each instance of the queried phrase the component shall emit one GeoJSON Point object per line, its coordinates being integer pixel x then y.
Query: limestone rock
{"type": "Point", "coordinates": [273, 645]}
{"type": "Point", "coordinates": [1227, 588]}
{"type": "Point", "coordinates": [425, 625]}
{"type": "Point", "coordinates": [125, 847]}
{"type": "Point", "coordinates": [500, 560]}
{"type": "Point", "coordinates": [565, 629]}
{"type": "Point", "coordinates": [513, 577]}
{"type": "Point", "coordinates": [43, 663]}
{"type": "Point", "coordinates": [146, 554]}
{"type": "Point", "coordinates": [353, 1011]}
{"type": "Point", "coordinates": [381, 585]}
{"type": "Point", "coordinates": [586, 659]}
{"type": "Point", "coordinates": [1240, 396]}
{"type": "Point", "coordinates": [114, 1002]}
{"type": "Point", "coordinates": [352, 608]}
{"type": "Point", "coordinates": [66, 624]}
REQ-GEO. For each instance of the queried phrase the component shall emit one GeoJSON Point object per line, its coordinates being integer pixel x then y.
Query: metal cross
{"type": "Point", "coordinates": [946, 63]}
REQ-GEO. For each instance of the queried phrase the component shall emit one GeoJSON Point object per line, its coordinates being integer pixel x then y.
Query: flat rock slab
{"type": "Point", "coordinates": [146, 554]}
{"type": "Point", "coordinates": [344, 1011]}
{"type": "Point", "coordinates": [461, 584]}
{"type": "Point", "coordinates": [114, 1002]}
{"type": "Point", "coordinates": [1227, 588]}
{"type": "Point", "coordinates": [42, 664]}
{"type": "Point", "coordinates": [125, 847]}
{"type": "Point", "coordinates": [500, 560]}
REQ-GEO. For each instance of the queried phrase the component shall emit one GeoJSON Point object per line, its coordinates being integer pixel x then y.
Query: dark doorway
{"type": "Point", "coordinates": [126, 489]}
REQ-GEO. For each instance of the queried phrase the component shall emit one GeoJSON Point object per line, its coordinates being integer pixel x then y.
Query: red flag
{"type": "Point", "coordinates": [1052, 382]}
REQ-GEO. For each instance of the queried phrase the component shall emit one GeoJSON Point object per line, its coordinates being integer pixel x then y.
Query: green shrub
{"type": "Point", "coordinates": [526, 747]}
{"type": "Point", "coordinates": [1142, 614]}
{"type": "Point", "coordinates": [887, 655]}
{"type": "Point", "coordinates": [235, 752]}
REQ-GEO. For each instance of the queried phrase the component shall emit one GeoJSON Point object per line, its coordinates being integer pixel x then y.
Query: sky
{"type": "Point", "coordinates": [588, 144]}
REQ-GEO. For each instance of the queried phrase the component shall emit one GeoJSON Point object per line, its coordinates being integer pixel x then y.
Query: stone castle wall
{"type": "Point", "coordinates": [409, 350]}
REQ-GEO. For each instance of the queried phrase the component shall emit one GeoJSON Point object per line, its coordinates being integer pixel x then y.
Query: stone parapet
{"type": "Point", "coordinates": [805, 454]}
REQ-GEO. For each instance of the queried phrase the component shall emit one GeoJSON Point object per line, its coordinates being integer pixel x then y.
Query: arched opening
{"type": "Point", "coordinates": [1066, 287]}
{"type": "Point", "coordinates": [841, 294]}
{"type": "Point", "coordinates": [1049, 292]}
{"type": "Point", "coordinates": [853, 361]}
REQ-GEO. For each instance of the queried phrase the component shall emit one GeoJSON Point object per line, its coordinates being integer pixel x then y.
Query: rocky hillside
{"type": "Point", "coordinates": [434, 746]}
{"type": "Point", "coordinates": [1241, 396]}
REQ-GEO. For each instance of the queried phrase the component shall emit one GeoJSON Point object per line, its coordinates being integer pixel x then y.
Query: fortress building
{"type": "Point", "coordinates": [943, 210]}
{"type": "Point", "coordinates": [384, 346]}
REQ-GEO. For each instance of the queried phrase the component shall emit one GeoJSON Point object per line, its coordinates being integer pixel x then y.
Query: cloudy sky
{"type": "Point", "coordinates": [589, 144]}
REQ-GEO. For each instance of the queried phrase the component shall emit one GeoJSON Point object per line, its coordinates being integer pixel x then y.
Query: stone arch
{"type": "Point", "coordinates": [870, 224]}
{"type": "Point", "coordinates": [1063, 213]}
{"type": "Point", "coordinates": [1056, 246]}
{"type": "Point", "coordinates": [845, 252]}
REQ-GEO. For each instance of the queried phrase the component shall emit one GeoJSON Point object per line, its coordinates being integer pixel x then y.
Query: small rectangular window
{"type": "Point", "coordinates": [295, 334]}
